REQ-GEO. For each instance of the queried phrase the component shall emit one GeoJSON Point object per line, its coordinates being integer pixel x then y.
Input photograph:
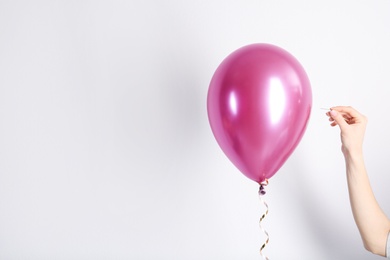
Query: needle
{"type": "Point", "coordinates": [323, 108]}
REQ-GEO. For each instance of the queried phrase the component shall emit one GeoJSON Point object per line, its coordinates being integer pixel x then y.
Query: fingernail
{"type": "Point", "coordinates": [333, 113]}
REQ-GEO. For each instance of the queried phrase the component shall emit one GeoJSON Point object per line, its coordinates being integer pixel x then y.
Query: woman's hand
{"type": "Point", "coordinates": [352, 125]}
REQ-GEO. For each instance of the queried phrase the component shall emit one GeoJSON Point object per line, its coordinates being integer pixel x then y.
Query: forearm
{"type": "Point", "coordinates": [372, 223]}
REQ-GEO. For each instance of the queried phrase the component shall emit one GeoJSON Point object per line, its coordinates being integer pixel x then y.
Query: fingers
{"type": "Point", "coordinates": [351, 115]}
{"type": "Point", "coordinates": [339, 118]}
{"type": "Point", "coordinates": [344, 115]}
{"type": "Point", "coordinates": [332, 120]}
{"type": "Point", "coordinates": [347, 111]}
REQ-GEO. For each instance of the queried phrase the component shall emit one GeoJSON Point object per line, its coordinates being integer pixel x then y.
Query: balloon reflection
{"type": "Point", "coordinates": [277, 100]}
{"type": "Point", "coordinates": [233, 103]}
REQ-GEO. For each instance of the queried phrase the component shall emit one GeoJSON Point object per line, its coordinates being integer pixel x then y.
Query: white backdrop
{"type": "Point", "coordinates": [105, 147]}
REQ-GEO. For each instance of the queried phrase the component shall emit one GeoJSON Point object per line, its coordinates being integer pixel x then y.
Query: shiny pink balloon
{"type": "Point", "coordinates": [259, 103]}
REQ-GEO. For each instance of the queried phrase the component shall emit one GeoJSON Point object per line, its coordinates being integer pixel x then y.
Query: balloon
{"type": "Point", "coordinates": [258, 104]}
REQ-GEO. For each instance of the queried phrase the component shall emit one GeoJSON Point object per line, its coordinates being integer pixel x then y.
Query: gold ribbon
{"type": "Point", "coordinates": [261, 194]}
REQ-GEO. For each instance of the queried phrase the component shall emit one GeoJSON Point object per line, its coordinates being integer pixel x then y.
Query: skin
{"type": "Point", "coordinates": [373, 224]}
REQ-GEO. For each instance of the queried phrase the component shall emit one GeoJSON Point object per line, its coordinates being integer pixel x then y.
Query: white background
{"type": "Point", "coordinates": [105, 146]}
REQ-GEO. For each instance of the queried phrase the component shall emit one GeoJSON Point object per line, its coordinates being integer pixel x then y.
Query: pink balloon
{"type": "Point", "coordinates": [259, 103]}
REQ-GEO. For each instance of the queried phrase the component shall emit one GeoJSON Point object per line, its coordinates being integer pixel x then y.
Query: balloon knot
{"type": "Point", "coordinates": [262, 185]}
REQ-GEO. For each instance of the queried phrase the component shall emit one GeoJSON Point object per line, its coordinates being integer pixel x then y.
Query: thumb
{"type": "Point", "coordinates": [338, 118]}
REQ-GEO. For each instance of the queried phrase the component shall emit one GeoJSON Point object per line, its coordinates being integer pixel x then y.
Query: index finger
{"type": "Point", "coordinates": [347, 110]}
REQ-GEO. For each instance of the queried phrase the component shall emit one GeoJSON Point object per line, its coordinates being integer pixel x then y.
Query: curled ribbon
{"type": "Point", "coordinates": [261, 194]}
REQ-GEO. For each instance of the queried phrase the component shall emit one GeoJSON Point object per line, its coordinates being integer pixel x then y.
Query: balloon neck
{"type": "Point", "coordinates": [262, 185]}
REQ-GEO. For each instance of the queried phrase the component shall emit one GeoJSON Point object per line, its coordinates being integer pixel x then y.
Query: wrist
{"type": "Point", "coordinates": [353, 155]}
